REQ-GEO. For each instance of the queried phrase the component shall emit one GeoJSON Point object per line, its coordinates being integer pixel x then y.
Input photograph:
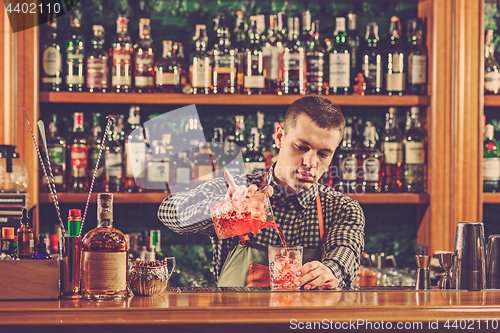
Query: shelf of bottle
{"type": "Point", "coordinates": [491, 100]}
{"type": "Point", "coordinates": [185, 99]}
{"type": "Point", "coordinates": [491, 198]}
{"type": "Point", "coordinates": [157, 198]}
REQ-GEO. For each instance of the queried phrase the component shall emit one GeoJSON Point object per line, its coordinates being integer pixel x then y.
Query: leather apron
{"type": "Point", "coordinates": [248, 263]}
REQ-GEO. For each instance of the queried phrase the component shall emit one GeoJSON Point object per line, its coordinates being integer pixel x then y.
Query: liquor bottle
{"type": "Point", "coordinates": [254, 82]}
{"type": "Point", "coordinates": [120, 54]}
{"type": "Point", "coordinates": [352, 39]}
{"type": "Point", "coordinates": [200, 66]}
{"type": "Point", "coordinates": [203, 167]}
{"type": "Point", "coordinates": [224, 68]}
{"type": "Point", "coordinates": [51, 58]}
{"type": "Point", "coordinates": [104, 256]}
{"type": "Point", "coordinates": [94, 145]}
{"type": "Point", "coordinates": [491, 161]}
{"type": "Point", "coordinates": [135, 152]}
{"type": "Point", "coordinates": [340, 61]}
{"type": "Point", "coordinates": [57, 154]}
{"type": "Point", "coordinates": [41, 249]}
{"type": "Point", "coordinates": [75, 55]}
{"type": "Point", "coordinates": [271, 50]}
{"type": "Point", "coordinates": [293, 74]}
{"type": "Point", "coordinates": [160, 164]}
{"type": "Point", "coordinates": [97, 63]}
{"type": "Point", "coordinates": [144, 56]}
{"type": "Point", "coordinates": [255, 161]}
{"type": "Point", "coordinates": [346, 161]}
{"type": "Point", "coordinates": [240, 44]}
{"type": "Point", "coordinates": [181, 172]}
{"type": "Point", "coordinates": [113, 162]}
{"type": "Point", "coordinates": [415, 143]}
{"type": "Point", "coordinates": [266, 152]}
{"type": "Point", "coordinates": [217, 149]}
{"type": "Point", "coordinates": [315, 62]}
{"type": "Point", "coordinates": [232, 161]}
{"type": "Point", "coordinates": [395, 75]}
{"type": "Point", "coordinates": [183, 66]}
{"type": "Point", "coordinates": [167, 71]}
{"type": "Point", "coordinates": [417, 59]}
{"type": "Point", "coordinates": [239, 132]}
{"type": "Point", "coordinates": [392, 148]}
{"type": "Point", "coordinates": [8, 246]}
{"type": "Point", "coordinates": [77, 150]}
{"type": "Point", "coordinates": [370, 159]}
{"type": "Point", "coordinates": [25, 241]}
{"type": "Point", "coordinates": [491, 67]}
{"type": "Point", "coordinates": [371, 60]}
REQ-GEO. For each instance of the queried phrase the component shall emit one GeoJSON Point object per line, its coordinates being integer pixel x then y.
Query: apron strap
{"type": "Point", "coordinates": [320, 222]}
{"type": "Point", "coordinates": [245, 238]}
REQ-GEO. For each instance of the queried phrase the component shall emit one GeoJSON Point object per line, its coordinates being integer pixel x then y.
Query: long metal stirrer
{"type": "Point", "coordinates": [51, 186]}
{"type": "Point", "coordinates": [108, 124]}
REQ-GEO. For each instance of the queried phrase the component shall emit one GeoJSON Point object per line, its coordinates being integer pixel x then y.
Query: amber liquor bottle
{"type": "Point", "coordinates": [395, 75]}
{"type": "Point", "coordinates": [120, 54]}
{"type": "Point", "coordinates": [370, 159]}
{"type": "Point", "coordinates": [57, 154]}
{"type": "Point", "coordinates": [75, 55]}
{"type": "Point", "coordinates": [392, 148]}
{"type": "Point", "coordinates": [167, 71]}
{"type": "Point", "coordinates": [104, 256]}
{"type": "Point", "coordinates": [200, 67]}
{"type": "Point", "coordinates": [254, 82]}
{"type": "Point", "coordinates": [97, 63]}
{"type": "Point", "coordinates": [224, 68]}
{"type": "Point", "coordinates": [144, 55]}
{"type": "Point", "coordinates": [293, 71]}
{"type": "Point", "coordinates": [25, 241]}
{"type": "Point", "coordinates": [51, 73]}
{"type": "Point", "coordinates": [77, 150]}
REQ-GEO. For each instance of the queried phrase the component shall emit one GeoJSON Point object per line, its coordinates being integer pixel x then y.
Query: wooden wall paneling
{"type": "Point", "coordinates": [7, 67]}
{"type": "Point", "coordinates": [481, 107]}
{"type": "Point", "coordinates": [467, 22]}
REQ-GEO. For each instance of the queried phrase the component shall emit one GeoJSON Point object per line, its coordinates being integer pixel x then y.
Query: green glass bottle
{"type": "Point", "coordinates": [491, 161]}
{"type": "Point", "coordinates": [75, 55]}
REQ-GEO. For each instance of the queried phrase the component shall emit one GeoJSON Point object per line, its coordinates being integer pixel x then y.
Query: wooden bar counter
{"type": "Point", "coordinates": [262, 311]}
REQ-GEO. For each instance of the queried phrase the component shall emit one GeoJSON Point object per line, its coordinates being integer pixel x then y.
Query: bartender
{"type": "Point", "coordinates": [329, 225]}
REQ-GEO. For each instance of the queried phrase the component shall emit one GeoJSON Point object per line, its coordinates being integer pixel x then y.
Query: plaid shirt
{"type": "Point", "coordinates": [296, 214]}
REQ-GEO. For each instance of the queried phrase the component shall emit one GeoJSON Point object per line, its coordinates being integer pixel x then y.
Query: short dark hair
{"type": "Point", "coordinates": [321, 110]}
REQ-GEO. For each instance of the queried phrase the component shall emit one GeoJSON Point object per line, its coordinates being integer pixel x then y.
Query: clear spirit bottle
{"type": "Point", "coordinates": [104, 256]}
{"type": "Point", "coordinates": [415, 147]}
{"type": "Point", "coordinates": [75, 55]}
{"type": "Point", "coordinates": [97, 63]}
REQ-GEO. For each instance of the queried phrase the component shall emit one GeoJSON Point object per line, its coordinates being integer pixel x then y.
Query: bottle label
{"type": "Point", "coordinates": [32, 243]}
{"type": "Point", "coordinates": [274, 63]}
{"type": "Point", "coordinates": [393, 152]}
{"type": "Point", "coordinates": [492, 81]}
{"type": "Point", "coordinates": [373, 74]}
{"type": "Point", "coordinates": [349, 168]}
{"type": "Point", "coordinates": [58, 179]}
{"type": "Point", "coordinates": [97, 73]}
{"type": "Point", "coordinates": [254, 167]}
{"type": "Point", "coordinates": [183, 175]}
{"type": "Point", "coordinates": [371, 168]}
{"type": "Point", "coordinates": [78, 156]}
{"type": "Point", "coordinates": [136, 156]}
{"type": "Point", "coordinates": [121, 73]}
{"type": "Point", "coordinates": [167, 79]}
{"type": "Point", "coordinates": [491, 168]}
{"type": "Point", "coordinates": [113, 165]}
{"type": "Point", "coordinates": [224, 64]}
{"type": "Point", "coordinates": [121, 80]}
{"type": "Point", "coordinates": [144, 81]}
{"type": "Point", "coordinates": [200, 72]}
{"type": "Point", "coordinates": [204, 172]}
{"type": "Point", "coordinates": [74, 61]}
{"type": "Point", "coordinates": [142, 62]}
{"type": "Point", "coordinates": [52, 62]}
{"type": "Point", "coordinates": [158, 171]}
{"type": "Point", "coordinates": [104, 271]}
{"type": "Point", "coordinates": [74, 79]}
{"type": "Point", "coordinates": [395, 82]}
{"type": "Point", "coordinates": [315, 69]}
{"type": "Point", "coordinates": [254, 81]}
{"type": "Point", "coordinates": [57, 155]}
{"type": "Point", "coordinates": [418, 69]}
{"type": "Point", "coordinates": [414, 152]}
{"type": "Point", "coordinates": [339, 70]}
{"type": "Point", "coordinates": [293, 61]}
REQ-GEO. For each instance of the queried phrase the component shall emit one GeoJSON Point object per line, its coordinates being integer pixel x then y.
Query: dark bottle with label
{"type": "Point", "coordinates": [41, 249]}
{"type": "Point", "coordinates": [25, 241]}
{"type": "Point", "coordinates": [75, 55]}
{"type": "Point", "coordinates": [255, 162]}
{"type": "Point", "coordinates": [224, 68]}
{"type": "Point", "coordinates": [120, 55]}
{"type": "Point", "coordinates": [345, 166]}
{"type": "Point", "coordinates": [293, 72]}
{"type": "Point", "coordinates": [77, 151]}
{"type": "Point", "coordinates": [415, 144]}
{"type": "Point", "coordinates": [135, 153]}
{"type": "Point", "coordinates": [97, 63]}
{"type": "Point", "coordinates": [57, 154]}
{"type": "Point", "coordinates": [370, 159]}
{"type": "Point", "coordinates": [168, 73]}
{"type": "Point", "coordinates": [395, 76]}
{"type": "Point", "coordinates": [240, 44]}
{"type": "Point", "coordinates": [113, 162]}
{"type": "Point", "coordinates": [417, 59]}
{"type": "Point", "coordinates": [315, 60]}
{"type": "Point", "coordinates": [253, 81]}
{"type": "Point", "coordinates": [340, 61]}
{"type": "Point", "coordinates": [371, 60]}
{"type": "Point", "coordinates": [353, 43]}
{"type": "Point", "coordinates": [144, 57]}
{"type": "Point", "coordinates": [491, 161]}
{"type": "Point", "coordinates": [491, 67]}
{"type": "Point", "coordinates": [51, 69]}
{"type": "Point", "coordinates": [392, 148]}
{"type": "Point", "coordinates": [94, 147]}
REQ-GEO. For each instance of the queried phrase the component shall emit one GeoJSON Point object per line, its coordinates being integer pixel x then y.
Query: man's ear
{"type": "Point", "coordinates": [278, 134]}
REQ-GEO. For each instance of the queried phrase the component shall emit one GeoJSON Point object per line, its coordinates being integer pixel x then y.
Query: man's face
{"type": "Point", "coordinates": [306, 151]}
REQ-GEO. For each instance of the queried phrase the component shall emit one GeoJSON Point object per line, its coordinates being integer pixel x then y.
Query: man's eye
{"type": "Point", "coordinates": [302, 148]}
{"type": "Point", "coordinates": [324, 155]}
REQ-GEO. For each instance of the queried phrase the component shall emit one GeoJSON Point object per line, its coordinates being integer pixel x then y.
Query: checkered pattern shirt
{"type": "Point", "coordinates": [296, 214]}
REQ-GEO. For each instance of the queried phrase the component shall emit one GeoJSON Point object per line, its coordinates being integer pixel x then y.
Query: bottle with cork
{"type": "Point", "coordinates": [25, 241]}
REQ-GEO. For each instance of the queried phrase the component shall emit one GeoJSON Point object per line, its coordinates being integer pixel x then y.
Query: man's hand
{"type": "Point", "coordinates": [316, 275]}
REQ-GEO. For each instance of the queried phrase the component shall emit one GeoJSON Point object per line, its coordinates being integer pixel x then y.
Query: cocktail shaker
{"type": "Point", "coordinates": [469, 264]}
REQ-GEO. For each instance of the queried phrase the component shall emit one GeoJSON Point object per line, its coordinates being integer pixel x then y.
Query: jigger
{"type": "Point", "coordinates": [423, 275]}
{"type": "Point", "coordinates": [446, 262]}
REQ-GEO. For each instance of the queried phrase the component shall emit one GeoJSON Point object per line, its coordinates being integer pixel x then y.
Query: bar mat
{"type": "Point", "coordinates": [263, 289]}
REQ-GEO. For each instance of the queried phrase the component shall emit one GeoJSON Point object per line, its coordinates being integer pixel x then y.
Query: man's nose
{"type": "Point", "coordinates": [310, 159]}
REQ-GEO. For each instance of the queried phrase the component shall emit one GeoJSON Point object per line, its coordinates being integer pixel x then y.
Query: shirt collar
{"type": "Point", "coordinates": [304, 198]}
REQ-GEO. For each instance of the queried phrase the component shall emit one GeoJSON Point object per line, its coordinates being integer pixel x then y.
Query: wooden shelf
{"type": "Point", "coordinates": [491, 100]}
{"type": "Point", "coordinates": [157, 198]}
{"type": "Point", "coordinates": [157, 98]}
{"type": "Point", "coordinates": [491, 198]}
